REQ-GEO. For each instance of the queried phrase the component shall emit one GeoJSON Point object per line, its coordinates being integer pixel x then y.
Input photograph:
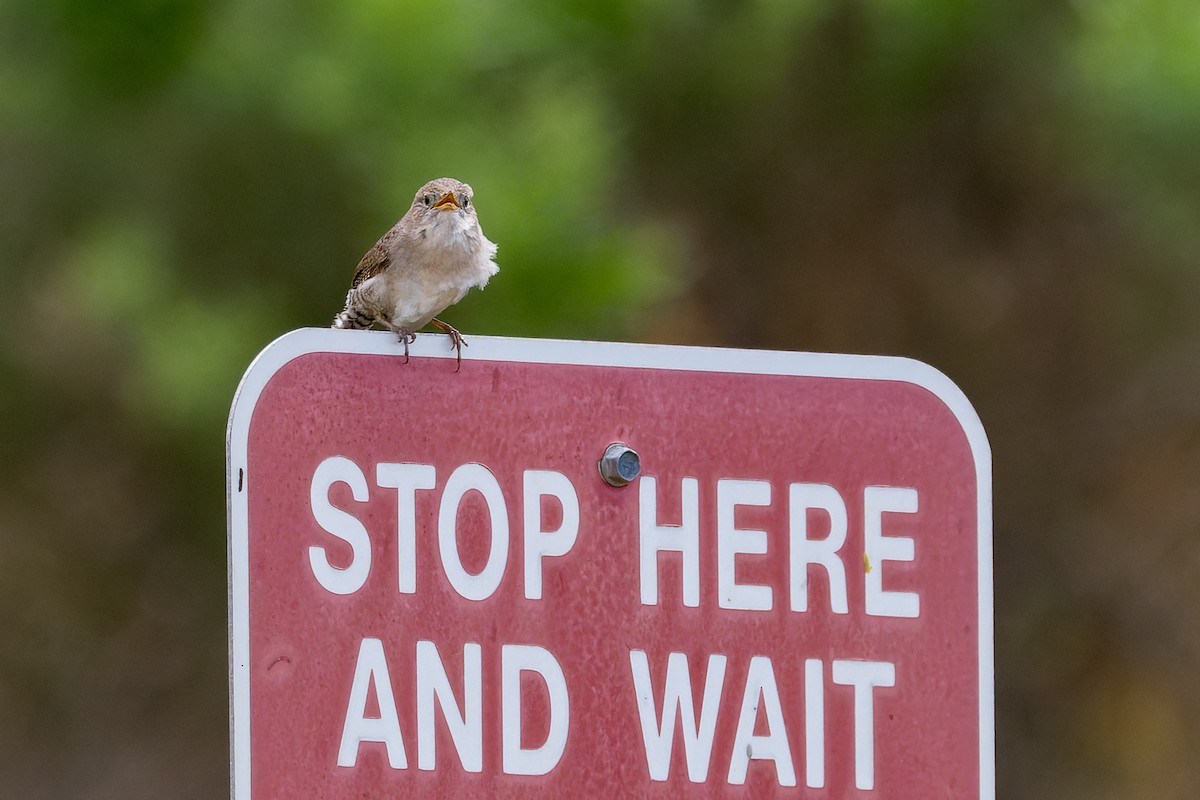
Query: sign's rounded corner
{"type": "Point", "coordinates": [272, 358]}
{"type": "Point", "coordinates": [941, 386]}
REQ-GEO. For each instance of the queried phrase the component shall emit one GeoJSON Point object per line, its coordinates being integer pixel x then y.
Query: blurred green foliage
{"type": "Point", "coordinates": [1009, 190]}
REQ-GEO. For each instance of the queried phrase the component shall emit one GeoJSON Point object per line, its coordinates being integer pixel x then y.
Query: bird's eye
{"type": "Point", "coordinates": [427, 200]}
{"type": "Point", "coordinates": [466, 202]}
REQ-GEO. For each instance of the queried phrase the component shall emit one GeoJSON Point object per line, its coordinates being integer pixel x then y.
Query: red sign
{"type": "Point", "coordinates": [435, 592]}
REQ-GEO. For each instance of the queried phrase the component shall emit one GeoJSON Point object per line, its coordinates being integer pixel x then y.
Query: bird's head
{"type": "Point", "coordinates": [444, 196]}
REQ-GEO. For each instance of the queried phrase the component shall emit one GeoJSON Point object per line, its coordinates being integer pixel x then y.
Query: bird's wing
{"type": "Point", "coordinates": [374, 262]}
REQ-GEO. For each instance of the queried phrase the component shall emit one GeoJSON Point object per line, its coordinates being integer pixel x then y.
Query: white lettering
{"type": "Point", "coordinates": [371, 670]}
{"type": "Point", "coordinates": [732, 541]}
{"type": "Point", "coordinates": [659, 737]}
{"type": "Point", "coordinates": [406, 479]}
{"type": "Point", "coordinates": [760, 683]}
{"type": "Point", "coordinates": [464, 479]}
{"type": "Point", "coordinates": [864, 676]}
{"type": "Point", "coordinates": [539, 543]}
{"type": "Point", "coordinates": [683, 538]}
{"type": "Point", "coordinates": [805, 551]}
{"type": "Point", "coordinates": [515, 659]}
{"type": "Point", "coordinates": [343, 525]}
{"type": "Point", "coordinates": [465, 724]}
{"type": "Point", "coordinates": [814, 723]}
{"type": "Point", "coordinates": [880, 548]}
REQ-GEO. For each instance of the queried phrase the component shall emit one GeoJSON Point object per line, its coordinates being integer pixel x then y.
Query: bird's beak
{"type": "Point", "coordinates": [447, 202]}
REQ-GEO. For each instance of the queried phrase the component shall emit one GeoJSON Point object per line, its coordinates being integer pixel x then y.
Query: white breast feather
{"type": "Point", "coordinates": [442, 267]}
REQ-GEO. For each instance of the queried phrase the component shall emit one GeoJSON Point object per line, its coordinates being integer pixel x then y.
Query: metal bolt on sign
{"type": "Point", "coordinates": [620, 465]}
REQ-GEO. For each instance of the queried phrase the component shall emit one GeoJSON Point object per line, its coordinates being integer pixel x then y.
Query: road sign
{"type": "Point", "coordinates": [778, 585]}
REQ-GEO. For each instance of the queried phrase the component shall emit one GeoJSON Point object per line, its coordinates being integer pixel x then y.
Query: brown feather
{"type": "Point", "coordinates": [374, 262]}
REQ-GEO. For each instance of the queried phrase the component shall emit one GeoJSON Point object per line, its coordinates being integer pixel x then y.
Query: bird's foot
{"type": "Point", "coordinates": [456, 340]}
{"type": "Point", "coordinates": [404, 335]}
{"type": "Point", "coordinates": [407, 337]}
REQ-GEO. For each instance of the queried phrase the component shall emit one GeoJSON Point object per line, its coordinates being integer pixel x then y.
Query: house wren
{"type": "Point", "coordinates": [427, 262]}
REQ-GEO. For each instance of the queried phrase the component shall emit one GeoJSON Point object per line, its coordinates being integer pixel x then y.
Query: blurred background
{"type": "Point", "coordinates": [1007, 190]}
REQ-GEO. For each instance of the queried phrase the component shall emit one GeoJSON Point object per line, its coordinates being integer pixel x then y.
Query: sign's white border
{"type": "Point", "coordinates": [605, 354]}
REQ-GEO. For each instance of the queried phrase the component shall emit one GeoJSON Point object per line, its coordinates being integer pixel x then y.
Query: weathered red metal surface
{"type": "Point", "coordinates": [849, 433]}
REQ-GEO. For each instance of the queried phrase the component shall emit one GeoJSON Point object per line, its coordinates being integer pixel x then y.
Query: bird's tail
{"type": "Point", "coordinates": [352, 318]}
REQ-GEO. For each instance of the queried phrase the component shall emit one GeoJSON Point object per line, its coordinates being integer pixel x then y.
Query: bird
{"type": "Point", "coordinates": [424, 264]}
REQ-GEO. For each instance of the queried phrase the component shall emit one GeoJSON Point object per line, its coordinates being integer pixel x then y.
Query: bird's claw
{"type": "Point", "coordinates": [405, 337]}
{"type": "Point", "coordinates": [456, 340]}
